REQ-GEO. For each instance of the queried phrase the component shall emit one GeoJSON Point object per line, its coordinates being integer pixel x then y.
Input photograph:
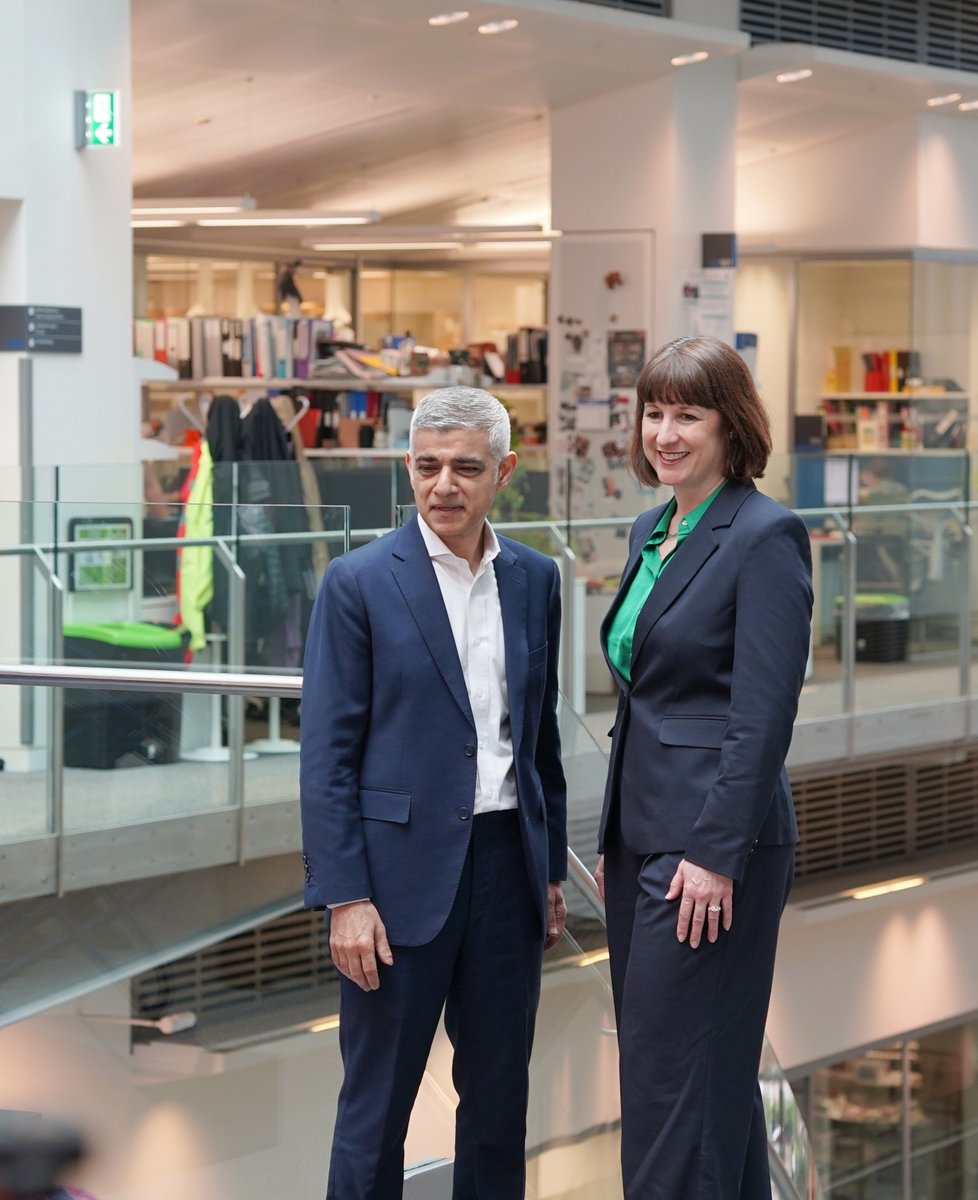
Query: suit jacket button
{"type": "Point", "coordinates": [469, 750]}
{"type": "Point", "coordinates": [463, 814]}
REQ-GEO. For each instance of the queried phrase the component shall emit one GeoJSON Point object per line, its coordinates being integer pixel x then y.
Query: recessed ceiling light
{"type": "Point", "coordinates": [449, 18]}
{"type": "Point", "coordinates": [968, 106]}
{"type": "Point", "coordinates": [499, 26]}
{"type": "Point", "coordinates": [794, 76]}
{"type": "Point", "coordinates": [937, 101]}
{"type": "Point", "coordinates": [325, 1024]}
{"type": "Point", "coordinates": [687, 60]}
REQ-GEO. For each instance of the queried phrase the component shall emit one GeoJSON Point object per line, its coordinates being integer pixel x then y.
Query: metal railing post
{"type": "Point", "coordinates": [848, 632]}
{"type": "Point", "coordinates": [573, 616]}
{"type": "Point", "coordinates": [235, 703]}
{"type": "Point", "coordinates": [56, 716]}
{"type": "Point", "coordinates": [964, 633]}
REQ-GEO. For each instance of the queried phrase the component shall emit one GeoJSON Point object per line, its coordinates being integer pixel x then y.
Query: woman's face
{"type": "Point", "coordinates": [686, 446]}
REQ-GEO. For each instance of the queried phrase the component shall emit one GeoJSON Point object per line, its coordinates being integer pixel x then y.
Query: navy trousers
{"type": "Point", "coordinates": [691, 1029]}
{"type": "Point", "coordinates": [484, 969]}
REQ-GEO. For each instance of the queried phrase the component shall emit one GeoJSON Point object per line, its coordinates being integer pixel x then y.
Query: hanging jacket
{"type": "Point", "coordinates": [196, 566]}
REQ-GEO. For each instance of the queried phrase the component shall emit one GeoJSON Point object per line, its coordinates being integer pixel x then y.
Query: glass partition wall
{"type": "Point", "coordinates": [898, 1121]}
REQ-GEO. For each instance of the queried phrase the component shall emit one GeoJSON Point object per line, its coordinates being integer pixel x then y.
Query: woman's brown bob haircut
{"type": "Point", "coordinates": [705, 372]}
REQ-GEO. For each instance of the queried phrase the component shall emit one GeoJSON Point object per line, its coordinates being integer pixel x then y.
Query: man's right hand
{"type": "Point", "coordinates": [357, 938]}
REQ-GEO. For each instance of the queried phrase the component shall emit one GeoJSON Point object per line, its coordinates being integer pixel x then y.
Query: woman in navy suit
{"type": "Point", "coordinates": [708, 640]}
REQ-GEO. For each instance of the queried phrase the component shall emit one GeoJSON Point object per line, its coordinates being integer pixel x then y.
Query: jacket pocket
{"type": "Point", "coordinates": [693, 731]}
{"type": "Point", "coordinates": [379, 805]}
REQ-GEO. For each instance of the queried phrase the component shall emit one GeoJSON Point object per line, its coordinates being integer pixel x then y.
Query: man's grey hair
{"type": "Point", "coordinates": [464, 408]}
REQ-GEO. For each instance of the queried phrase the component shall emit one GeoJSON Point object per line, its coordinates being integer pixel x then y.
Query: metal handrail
{"type": "Point", "coordinates": [141, 679]}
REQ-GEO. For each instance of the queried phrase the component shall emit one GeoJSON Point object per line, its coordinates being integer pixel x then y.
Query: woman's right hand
{"type": "Point", "coordinates": [599, 875]}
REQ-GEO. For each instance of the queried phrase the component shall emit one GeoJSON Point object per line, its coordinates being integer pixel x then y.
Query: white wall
{"type": "Point", "coordinates": [946, 182]}
{"type": "Point", "coordinates": [857, 972]}
{"type": "Point", "coordinates": [857, 193]}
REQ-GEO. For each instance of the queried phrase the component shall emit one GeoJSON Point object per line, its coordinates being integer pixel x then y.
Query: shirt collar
{"type": "Point", "coordinates": [688, 523]}
{"type": "Point", "coordinates": [437, 549]}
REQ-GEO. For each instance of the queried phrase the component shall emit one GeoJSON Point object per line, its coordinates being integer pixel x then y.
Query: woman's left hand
{"type": "Point", "coordinates": [706, 898]}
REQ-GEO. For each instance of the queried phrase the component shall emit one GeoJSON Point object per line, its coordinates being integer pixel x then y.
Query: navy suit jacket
{"type": "Point", "coordinates": [718, 661]}
{"type": "Point", "coordinates": [388, 765]}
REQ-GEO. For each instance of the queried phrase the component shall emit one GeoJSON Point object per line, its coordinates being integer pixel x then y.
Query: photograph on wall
{"type": "Point", "coordinates": [626, 356]}
{"type": "Point", "coordinates": [593, 413]}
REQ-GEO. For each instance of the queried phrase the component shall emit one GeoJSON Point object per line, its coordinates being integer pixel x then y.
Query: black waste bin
{"type": "Point", "coordinates": [105, 729]}
{"type": "Point", "coordinates": [882, 626]}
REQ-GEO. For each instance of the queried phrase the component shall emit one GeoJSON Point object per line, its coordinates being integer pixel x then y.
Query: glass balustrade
{"type": "Point", "coordinates": [894, 585]}
{"type": "Point", "coordinates": [85, 548]}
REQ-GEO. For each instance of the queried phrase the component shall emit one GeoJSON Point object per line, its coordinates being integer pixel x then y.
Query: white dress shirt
{"type": "Point", "coordinates": [476, 618]}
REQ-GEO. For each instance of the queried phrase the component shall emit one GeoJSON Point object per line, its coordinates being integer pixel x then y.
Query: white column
{"type": "Point", "coordinates": [246, 305]}
{"type": "Point", "coordinates": [64, 241]}
{"type": "Point", "coordinates": [204, 299]}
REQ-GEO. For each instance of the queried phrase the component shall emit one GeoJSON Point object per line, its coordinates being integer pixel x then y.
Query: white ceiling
{"type": "Point", "coordinates": [361, 105]}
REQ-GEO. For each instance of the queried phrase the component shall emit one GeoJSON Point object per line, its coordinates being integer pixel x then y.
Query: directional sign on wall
{"type": "Point", "coordinates": [40, 329]}
{"type": "Point", "coordinates": [96, 119]}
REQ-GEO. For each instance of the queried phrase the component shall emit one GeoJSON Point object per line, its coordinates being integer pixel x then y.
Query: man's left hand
{"type": "Point", "coordinates": [556, 915]}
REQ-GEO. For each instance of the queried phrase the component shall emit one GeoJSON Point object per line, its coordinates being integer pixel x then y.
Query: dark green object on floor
{"type": "Point", "coordinates": [882, 626]}
{"type": "Point", "coordinates": [105, 729]}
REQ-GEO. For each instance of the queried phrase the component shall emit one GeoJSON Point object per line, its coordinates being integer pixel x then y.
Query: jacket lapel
{"type": "Point", "coordinates": [415, 576]}
{"type": "Point", "coordinates": [511, 582]}
{"type": "Point", "coordinates": [688, 560]}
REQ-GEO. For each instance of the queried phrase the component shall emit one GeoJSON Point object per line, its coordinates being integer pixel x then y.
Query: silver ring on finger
{"type": "Point", "coordinates": [714, 908]}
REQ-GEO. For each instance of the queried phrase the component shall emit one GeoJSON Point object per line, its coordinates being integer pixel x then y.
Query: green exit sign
{"type": "Point", "coordinates": [96, 119]}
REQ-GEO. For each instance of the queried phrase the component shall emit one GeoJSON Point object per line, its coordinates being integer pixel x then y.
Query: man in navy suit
{"type": "Point", "coordinates": [434, 807]}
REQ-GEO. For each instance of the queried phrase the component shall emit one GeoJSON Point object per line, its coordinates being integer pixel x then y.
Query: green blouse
{"type": "Point", "coordinates": [622, 630]}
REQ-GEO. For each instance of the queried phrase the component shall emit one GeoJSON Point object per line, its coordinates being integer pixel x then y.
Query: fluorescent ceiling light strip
{"type": "Point", "coordinates": [361, 246]}
{"type": "Point", "coordinates": [309, 221]}
{"type": "Point", "coordinates": [938, 101]}
{"type": "Point", "coordinates": [156, 223]}
{"type": "Point", "coordinates": [589, 960]}
{"type": "Point", "coordinates": [188, 205]}
{"type": "Point", "coordinates": [968, 106]}
{"type": "Point", "coordinates": [504, 245]}
{"type": "Point", "coordinates": [884, 889]}
{"type": "Point", "coordinates": [327, 1023]}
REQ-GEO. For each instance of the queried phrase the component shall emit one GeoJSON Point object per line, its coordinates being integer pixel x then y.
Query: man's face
{"type": "Point", "coordinates": [455, 482]}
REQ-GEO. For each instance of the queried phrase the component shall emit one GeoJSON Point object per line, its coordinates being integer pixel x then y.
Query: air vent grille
{"type": "Point", "coordinates": [885, 812]}
{"type": "Point", "coordinates": [947, 809]}
{"type": "Point", "coordinates": [287, 955]}
{"type": "Point", "coordinates": [653, 8]}
{"type": "Point", "coordinates": [940, 32]}
{"type": "Point", "coordinates": [849, 820]}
